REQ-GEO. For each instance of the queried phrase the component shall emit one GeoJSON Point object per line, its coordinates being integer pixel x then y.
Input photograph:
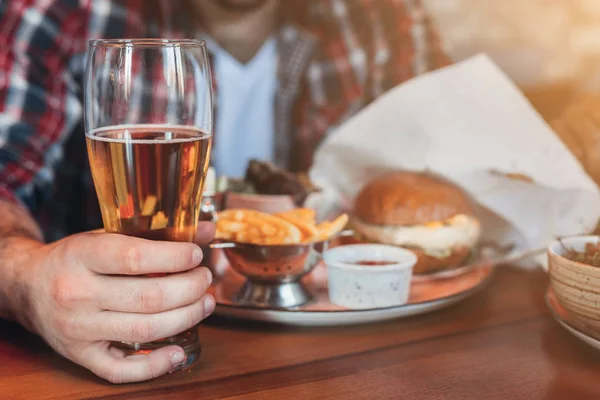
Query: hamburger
{"type": "Point", "coordinates": [426, 214]}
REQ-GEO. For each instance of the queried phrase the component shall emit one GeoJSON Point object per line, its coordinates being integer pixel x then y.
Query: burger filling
{"type": "Point", "coordinates": [436, 239]}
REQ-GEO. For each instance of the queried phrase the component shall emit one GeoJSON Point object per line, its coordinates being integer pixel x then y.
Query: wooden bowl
{"type": "Point", "coordinates": [576, 285]}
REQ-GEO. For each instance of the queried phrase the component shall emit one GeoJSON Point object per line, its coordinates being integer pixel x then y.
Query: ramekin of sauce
{"type": "Point", "coordinates": [366, 276]}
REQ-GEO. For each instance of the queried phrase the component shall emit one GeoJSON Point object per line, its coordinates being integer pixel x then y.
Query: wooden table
{"type": "Point", "coordinates": [500, 344]}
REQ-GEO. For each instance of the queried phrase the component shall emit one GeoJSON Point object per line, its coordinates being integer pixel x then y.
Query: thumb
{"type": "Point", "coordinates": [205, 233]}
{"type": "Point", "coordinates": [113, 365]}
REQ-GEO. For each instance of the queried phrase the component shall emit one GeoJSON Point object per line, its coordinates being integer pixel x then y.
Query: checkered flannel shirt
{"type": "Point", "coordinates": [335, 56]}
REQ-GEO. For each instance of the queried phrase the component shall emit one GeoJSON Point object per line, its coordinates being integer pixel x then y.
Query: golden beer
{"type": "Point", "coordinates": [149, 179]}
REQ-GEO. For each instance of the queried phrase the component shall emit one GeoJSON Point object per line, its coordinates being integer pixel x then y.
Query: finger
{"type": "Point", "coordinates": [115, 254]}
{"type": "Point", "coordinates": [152, 295]}
{"type": "Point", "coordinates": [144, 328]}
{"type": "Point", "coordinates": [112, 365]}
{"type": "Point", "coordinates": [205, 233]}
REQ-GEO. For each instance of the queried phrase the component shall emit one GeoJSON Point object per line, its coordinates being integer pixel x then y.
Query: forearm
{"type": "Point", "coordinates": [19, 236]}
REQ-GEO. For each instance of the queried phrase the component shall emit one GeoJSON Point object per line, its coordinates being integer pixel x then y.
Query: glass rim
{"type": "Point", "coordinates": [153, 42]}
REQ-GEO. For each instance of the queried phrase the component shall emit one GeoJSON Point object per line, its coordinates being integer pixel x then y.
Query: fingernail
{"type": "Point", "coordinates": [197, 257]}
{"type": "Point", "coordinates": [209, 276]}
{"type": "Point", "coordinates": [209, 305]}
{"type": "Point", "coordinates": [177, 359]}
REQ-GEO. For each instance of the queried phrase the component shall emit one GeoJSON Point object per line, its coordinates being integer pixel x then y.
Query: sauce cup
{"type": "Point", "coordinates": [364, 276]}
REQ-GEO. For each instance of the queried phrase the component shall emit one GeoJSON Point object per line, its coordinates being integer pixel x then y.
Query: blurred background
{"type": "Point", "coordinates": [550, 48]}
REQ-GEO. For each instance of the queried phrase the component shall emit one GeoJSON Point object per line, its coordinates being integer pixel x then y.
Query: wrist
{"type": "Point", "coordinates": [16, 270]}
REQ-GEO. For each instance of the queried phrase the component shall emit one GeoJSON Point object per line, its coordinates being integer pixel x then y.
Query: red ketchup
{"type": "Point", "coordinates": [372, 263]}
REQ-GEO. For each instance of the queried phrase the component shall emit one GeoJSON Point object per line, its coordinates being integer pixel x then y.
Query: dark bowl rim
{"type": "Point", "coordinates": [255, 245]}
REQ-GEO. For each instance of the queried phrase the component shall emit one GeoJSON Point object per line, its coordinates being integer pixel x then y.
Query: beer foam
{"type": "Point", "coordinates": [124, 131]}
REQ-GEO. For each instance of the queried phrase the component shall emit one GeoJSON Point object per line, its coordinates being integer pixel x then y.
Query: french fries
{"type": "Point", "coordinates": [290, 227]}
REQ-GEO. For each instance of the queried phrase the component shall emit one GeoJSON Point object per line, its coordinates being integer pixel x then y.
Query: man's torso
{"type": "Point", "coordinates": [332, 60]}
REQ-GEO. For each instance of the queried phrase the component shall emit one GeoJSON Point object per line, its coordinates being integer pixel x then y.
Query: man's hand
{"type": "Point", "coordinates": [85, 291]}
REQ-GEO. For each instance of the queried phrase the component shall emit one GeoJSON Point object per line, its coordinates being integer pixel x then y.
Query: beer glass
{"type": "Point", "coordinates": [148, 125]}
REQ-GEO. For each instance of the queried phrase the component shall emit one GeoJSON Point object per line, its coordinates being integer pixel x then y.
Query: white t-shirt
{"type": "Point", "coordinates": [244, 126]}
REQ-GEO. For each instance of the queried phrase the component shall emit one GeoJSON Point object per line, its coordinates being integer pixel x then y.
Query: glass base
{"type": "Point", "coordinates": [188, 341]}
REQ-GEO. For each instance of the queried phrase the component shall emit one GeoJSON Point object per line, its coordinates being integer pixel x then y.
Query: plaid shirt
{"type": "Point", "coordinates": [335, 56]}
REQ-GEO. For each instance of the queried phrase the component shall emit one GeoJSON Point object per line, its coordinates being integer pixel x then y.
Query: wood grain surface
{"type": "Point", "coordinates": [499, 344]}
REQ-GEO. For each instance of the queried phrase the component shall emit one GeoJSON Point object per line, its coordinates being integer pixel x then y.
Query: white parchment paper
{"type": "Point", "coordinates": [469, 123]}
